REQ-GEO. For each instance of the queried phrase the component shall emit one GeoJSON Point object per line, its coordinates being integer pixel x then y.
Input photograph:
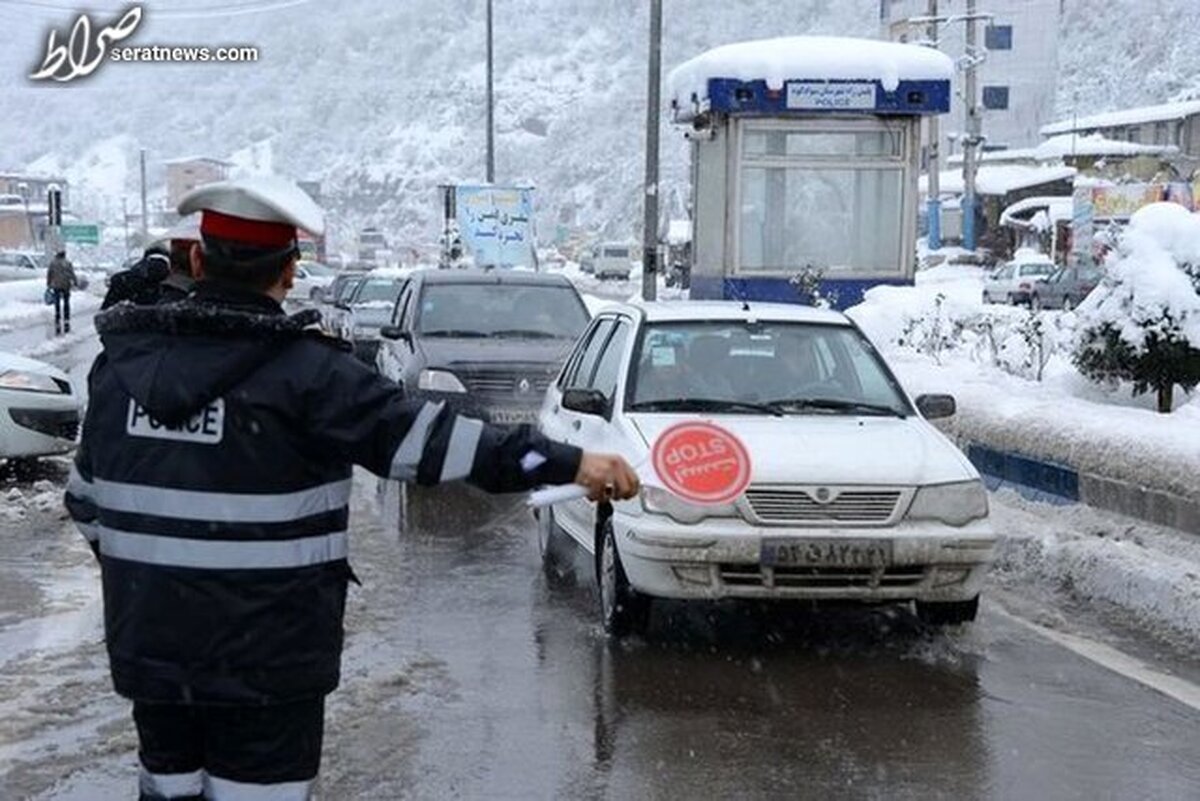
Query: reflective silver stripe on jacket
{"type": "Point", "coordinates": [215, 507]}
{"type": "Point", "coordinates": [171, 785]}
{"type": "Point", "coordinates": [460, 454]}
{"type": "Point", "coordinates": [408, 453]}
{"type": "Point", "coordinates": [155, 549]}
{"type": "Point", "coordinates": [218, 789]}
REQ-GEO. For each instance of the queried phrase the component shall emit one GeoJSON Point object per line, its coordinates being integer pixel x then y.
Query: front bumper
{"type": "Point", "coordinates": [50, 428]}
{"type": "Point", "coordinates": [721, 558]}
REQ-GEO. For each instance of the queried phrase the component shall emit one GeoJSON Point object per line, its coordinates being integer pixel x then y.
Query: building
{"type": "Point", "coordinates": [24, 212]}
{"type": "Point", "coordinates": [185, 174]}
{"type": "Point", "coordinates": [33, 189]}
{"type": "Point", "coordinates": [1016, 80]}
{"type": "Point", "coordinates": [1170, 125]}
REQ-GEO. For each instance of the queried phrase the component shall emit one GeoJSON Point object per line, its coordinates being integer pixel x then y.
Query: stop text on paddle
{"type": "Point", "coordinates": [701, 462]}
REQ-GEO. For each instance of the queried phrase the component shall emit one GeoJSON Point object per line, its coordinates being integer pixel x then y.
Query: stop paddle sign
{"type": "Point", "coordinates": [701, 462]}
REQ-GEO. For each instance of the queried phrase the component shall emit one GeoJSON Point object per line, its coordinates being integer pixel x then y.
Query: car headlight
{"type": "Point", "coordinates": [659, 501]}
{"type": "Point", "coordinates": [30, 382]}
{"type": "Point", "coordinates": [956, 504]}
{"type": "Point", "coordinates": [439, 381]}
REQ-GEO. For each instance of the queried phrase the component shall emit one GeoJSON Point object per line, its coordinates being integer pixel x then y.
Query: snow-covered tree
{"type": "Point", "coordinates": [1142, 324]}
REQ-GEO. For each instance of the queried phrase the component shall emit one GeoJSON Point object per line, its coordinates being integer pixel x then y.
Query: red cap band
{"type": "Point", "coordinates": [248, 232]}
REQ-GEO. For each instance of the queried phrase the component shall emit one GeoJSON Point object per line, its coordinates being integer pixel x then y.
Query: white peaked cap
{"type": "Point", "coordinates": [266, 198]}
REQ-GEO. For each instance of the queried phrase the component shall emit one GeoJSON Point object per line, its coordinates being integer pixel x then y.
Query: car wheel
{"type": "Point", "coordinates": [947, 613]}
{"type": "Point", "coordinates": [1068, 303]}
{"type": "Point", "coordinates": [986, 297]}
{"type": "Point", "coordinates": [623, 610]}
{"type": "Point", "coordinates": [1035, 302]}
{"type": "Point", "coordinates": [1010, 300]}
{"type": "Point", "coordinates": [552, 545]}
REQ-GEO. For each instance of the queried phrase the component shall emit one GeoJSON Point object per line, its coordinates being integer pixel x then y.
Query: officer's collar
{"type": "Point", "coordinates": [223, 294]}
{"type": "Point", "coordinates": [205, 315]}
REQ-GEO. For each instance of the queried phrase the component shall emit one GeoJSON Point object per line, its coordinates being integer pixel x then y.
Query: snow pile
{"type": "Point", "coordinates": [1127, 116]}
{"type": "Point", "coordinates": [815, 58]}
{"type": "Point", "coordinates": [1000, 179]}
{"type": "Point", "coordinates": [1146, 288]}
{"type": "Point", "coordinates": [1069, 144]}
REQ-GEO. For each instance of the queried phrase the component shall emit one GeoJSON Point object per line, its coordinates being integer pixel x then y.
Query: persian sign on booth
{"type": "Point", "coordinates": [702, 463]}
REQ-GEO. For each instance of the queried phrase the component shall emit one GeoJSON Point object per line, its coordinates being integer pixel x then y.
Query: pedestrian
{"type": "Point", "coordinates": [213, 480]}
{"type": "Point", "coordinates": [60, 280]}
{"type": "Point", "coordinates": [163, 274]}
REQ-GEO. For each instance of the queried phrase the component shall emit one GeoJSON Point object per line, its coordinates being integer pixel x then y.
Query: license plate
{"type": "Point", "coordinates": [826, 553]}
{"type": "Point", "coordinates": [513, 416]}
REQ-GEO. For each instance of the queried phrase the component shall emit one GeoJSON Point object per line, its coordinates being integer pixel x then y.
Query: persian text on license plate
{"type": "Point", "coordinates": [826, 553]}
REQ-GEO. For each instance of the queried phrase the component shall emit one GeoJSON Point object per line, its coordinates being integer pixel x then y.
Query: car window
{"type": "Point", "coordinates": [378, 290]}
{"type": "Point", "coordinates": [400, 312]}
{"type": "Point", "coordinates": [762, 362]}
{"type": "Point", "coordinates": [1036, 269]}
{"type": "Point", "coordinates": [608, 368]}
{"type": "Point", "coordinates": [506, 310]}
{"type": "Point", "coordinates": [616, 253]}
{"type": "Point", "coordinates": [581, 375]}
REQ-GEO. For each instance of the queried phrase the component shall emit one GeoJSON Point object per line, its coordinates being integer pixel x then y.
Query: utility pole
{"type": "Point", "coordinates": [971, 138]}
{"type": "Point", "coordinates": [145, 213]}
{"type": "Point", "coordinates": [933, 195]}
{"type": "Point", "coordinates": [491, 102]}
{"type": "Point", "coordinates": [653, 100]}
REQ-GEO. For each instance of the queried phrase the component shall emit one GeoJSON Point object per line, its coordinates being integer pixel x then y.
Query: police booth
{"type": "Point", "coordinates": [805, 158]}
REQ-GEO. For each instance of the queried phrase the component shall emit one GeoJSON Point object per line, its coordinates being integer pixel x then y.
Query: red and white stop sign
{"type": "Point", "coordinates": [701, 462]}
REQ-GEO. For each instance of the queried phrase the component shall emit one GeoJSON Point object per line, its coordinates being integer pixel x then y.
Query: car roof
{"type": "Point", "coordinates": [697, 310]}
{"type": "Point", "coordinates": [498, 276]}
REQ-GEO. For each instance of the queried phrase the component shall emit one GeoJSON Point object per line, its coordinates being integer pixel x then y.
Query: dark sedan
{"type": "Point", "coordinates": [488, 342]}
{"type": "Point", "coordinates": [1066, 288]}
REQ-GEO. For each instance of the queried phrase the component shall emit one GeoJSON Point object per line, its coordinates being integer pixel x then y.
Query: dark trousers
{"type": "Point", "coordinates": [62, 308]}
{"type": "Point", "coordinates": [213, 752]}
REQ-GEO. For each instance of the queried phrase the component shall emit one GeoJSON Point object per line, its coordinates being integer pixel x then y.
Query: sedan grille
{"type": "Point", "coordinates": [822, 505]}
{"type": "Point", "coordinates": [822, 577]}
{"type": "Point", "coordinates": [61, 424]}
{"type": "Point", "coordinates": [506, 382]}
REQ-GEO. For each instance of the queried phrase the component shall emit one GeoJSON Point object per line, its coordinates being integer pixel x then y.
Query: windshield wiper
{"type": "Point", "coordinates": [455, 332]}
{"type": "Point", "coordinates": [835, 404]}
{"type": "Point", "coordinates": [704, 405]}
{"type": "Point", "coordinates": [525, 333]}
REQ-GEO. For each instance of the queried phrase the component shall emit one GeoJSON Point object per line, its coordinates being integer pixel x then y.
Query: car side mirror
{"type": "Point", "coordinates": [395, 332]}
{"type": "Point", "coordinates": [585, 401]}
{"type": "Point", "coordinates": [933, 407]}
{"type": "Point", "coordinates": [343, 305]}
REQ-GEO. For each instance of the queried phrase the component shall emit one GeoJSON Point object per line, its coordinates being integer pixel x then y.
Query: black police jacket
{"type": "Point", "coordinates": [213, 478]}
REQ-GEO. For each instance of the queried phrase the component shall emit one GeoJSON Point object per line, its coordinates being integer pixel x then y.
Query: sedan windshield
{"type": "Point", "coordinates": [379, 290]}
{"type": "Point", "coordinates": [519, 311]}
{"type": "Point", "coordinates": [768, 367]}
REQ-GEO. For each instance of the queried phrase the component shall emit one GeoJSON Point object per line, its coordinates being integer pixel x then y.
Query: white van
{"type": "Point", "coordinates": [613, 260]}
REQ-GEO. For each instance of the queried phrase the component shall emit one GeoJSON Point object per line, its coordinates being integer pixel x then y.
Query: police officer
{"type": "Point", "coordinates": [163, 274]}
{"type": "Point", "coordinates": [213, 480]}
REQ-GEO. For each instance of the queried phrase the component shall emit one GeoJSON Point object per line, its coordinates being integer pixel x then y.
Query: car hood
{"type": "Point", "coordinates": [443, 352]}
{"type": "Point", "coordinates": [826, 449]}
{"type": "Point", "coordinates": [11, 361]}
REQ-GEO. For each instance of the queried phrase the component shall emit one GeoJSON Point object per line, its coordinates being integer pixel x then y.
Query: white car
{"type": "Point", "coordinates": [39, 410]}
{"type": "Point", "coordinates": [852, 493]}
{"type": "Point", "coordinates": [311, 281]}
{"type": "Point", "coordinates": [16, 265]}
{"type": "Point", "coordinates": [613, 260]}
{"type": "Point", "coordinates": [1015, 281]}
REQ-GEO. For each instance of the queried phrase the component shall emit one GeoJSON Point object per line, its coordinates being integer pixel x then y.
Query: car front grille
{"type": "Point", "coordinates": [747, 575]}
{"type": "Point", "coordinates": [507, 382]}
{"type": "Point", "coordinates": [808, 505]}
{"type": "Point", "coordinates": [61, 424]}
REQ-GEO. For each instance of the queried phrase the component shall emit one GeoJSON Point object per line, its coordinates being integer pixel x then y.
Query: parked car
{"type": "Point", "coordinates": [587, 261]}
{"type": "Point", "coordinates": [852, 494]}
{"type": "Point", "coordinates": [1065, 288]}
{"type": "Point", "coordinates": [488, 342]}
{"type": "Point", "coordinates": [1013, 282]}
{"type": "Point", "coordinates": [613, 260]}
{"type": "Point", "coordinates": [370, 308]}
{"type": "Point", "coordinates": [39, 410]}
{"type": "Point", "coordinates": [16, 265]}
{"type": "Point", "coordinates": [312, 279]}
{"type": "Point", "coordinates": [342, 287]}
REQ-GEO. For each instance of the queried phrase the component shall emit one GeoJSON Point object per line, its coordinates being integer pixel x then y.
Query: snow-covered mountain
{"type": "Point", "coordinates": [382, 100]}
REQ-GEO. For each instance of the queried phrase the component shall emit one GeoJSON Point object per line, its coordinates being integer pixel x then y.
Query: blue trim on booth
{"type": "Point", "coordinates": [849, 292]}
{"type": "Point", "coordinates": [732, 96]}
{"type": "Point", "coordinates": [1038, 480]}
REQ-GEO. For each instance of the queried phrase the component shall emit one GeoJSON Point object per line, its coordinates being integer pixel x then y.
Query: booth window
{"type": "Point", "coordinates": [828, 198]}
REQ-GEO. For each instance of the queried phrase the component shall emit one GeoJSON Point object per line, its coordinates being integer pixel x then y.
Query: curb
{"type": "Point", "coordinates": [1050, 482]}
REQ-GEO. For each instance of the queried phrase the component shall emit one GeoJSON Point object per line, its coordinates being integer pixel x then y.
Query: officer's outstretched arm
{"type": "Point", "coordinates": [366, 420]}
{"type": "Point", "coordinates": [78, 498]}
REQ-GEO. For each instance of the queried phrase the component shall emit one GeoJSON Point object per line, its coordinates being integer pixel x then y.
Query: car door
{"type": "Point", "coordinates": [997, 285]}
{"type": "Point", "coordinates": [10, 270]}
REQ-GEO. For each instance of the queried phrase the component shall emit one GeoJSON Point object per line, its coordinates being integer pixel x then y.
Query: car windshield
{"type": "Point", "coordinates": [316, 268]}
{"type": "Point", "coordinates": [616, 253]}
{"type": "Point", "coordinates": [1037, 269]}
{"type": "Point", "coordinates": [788, 367]}
{"type": "Point", "coordinates": [528, 311]}
{"type": "Point", "coordinates": [377, 290]}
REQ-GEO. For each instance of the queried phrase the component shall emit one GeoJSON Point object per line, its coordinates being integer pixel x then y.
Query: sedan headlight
{"type": "Point", "coordinates": [659, 501]}
{"type": "Point", "coordinates": [29, 382]}
{"type": "Point", "coordinates": [956, 504]}
{"type": "Point", "coordinates": [439, 381]}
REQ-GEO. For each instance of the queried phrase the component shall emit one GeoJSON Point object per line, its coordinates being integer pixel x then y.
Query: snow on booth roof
{"type": "Point", "coordinates": [806, 58]}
